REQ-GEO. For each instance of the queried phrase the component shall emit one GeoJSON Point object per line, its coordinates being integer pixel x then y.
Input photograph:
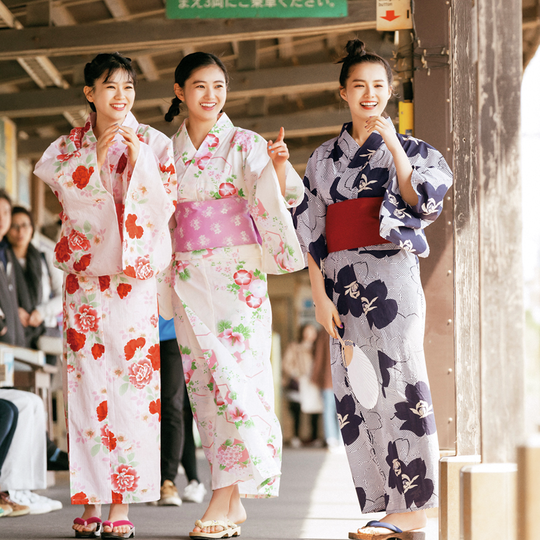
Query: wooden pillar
{"type": "Point", "coordinates": [528, 495]}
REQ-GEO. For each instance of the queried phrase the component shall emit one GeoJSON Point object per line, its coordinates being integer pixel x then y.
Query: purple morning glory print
{"type": "Point", "coordinates": [349, 421]}
{"type": "Point", "coordinates": [370, 300]}
{"type": "Point", "coordinates": [409, 480]}
{"type": "Point", "coordinates": [361, 494]}
{"type": "Point", "coordinates": [385, 363]}
{"type": "Point", "coordinates": [417, 411]}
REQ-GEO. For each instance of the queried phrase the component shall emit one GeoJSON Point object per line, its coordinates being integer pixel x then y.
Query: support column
{"type": "Point", "coordinates": [488, 502]}
{"type": "Point", "coordinates": [528, 495]}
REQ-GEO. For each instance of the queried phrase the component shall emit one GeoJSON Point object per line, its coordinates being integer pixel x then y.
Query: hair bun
{"type": "Point", "coordinates": [355, 47]}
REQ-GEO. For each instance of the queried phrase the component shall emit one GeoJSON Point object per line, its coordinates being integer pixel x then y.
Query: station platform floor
{"type": "Point", "coordinates": [317, 501]}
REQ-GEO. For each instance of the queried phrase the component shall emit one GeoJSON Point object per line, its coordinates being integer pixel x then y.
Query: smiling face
{"type": "Point", "coordinates": [113, 95]}
{"type": "Point", "coordinates": [21, 231]}
{"type": "Point", "coordinates": [367, 90]}
{"type": "Point", "coordinates": [204, 93]}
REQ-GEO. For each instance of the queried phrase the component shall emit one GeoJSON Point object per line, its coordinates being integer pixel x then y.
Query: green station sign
{"type": "Point", "coordinates": [251, 9]}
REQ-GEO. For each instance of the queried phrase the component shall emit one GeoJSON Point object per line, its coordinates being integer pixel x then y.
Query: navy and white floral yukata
{"type": "Point", "coordinates": [392, 448]}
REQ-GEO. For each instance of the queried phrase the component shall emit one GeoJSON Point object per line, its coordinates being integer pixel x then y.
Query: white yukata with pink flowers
{"type": "Point", "coordinates": [115, 239]}
{"type": "Point", "coordinates": [221, 307]}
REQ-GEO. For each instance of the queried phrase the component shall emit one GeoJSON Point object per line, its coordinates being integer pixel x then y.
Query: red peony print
{"type": "Point", "coordinates": [132, 346]}
{"type": "Point", "coordinates": [80, 498]}
{"type": "Point", "coordinates": [116, 497]}
{"type": "Point", "coordinates": [81, 176]}
{"type": "Point", "coordinates": [125, 479]}
{"type": "Point", "coordinates": [169, 169]}
{"type": "Point", "coordinates": [102, 410]}
{"type": "Point", "coordinates": [243, 277]}
{"type": "Point", "coordinates": [72, 284]}
{"type": "Point", "coordinates": [227, 189]}
{"type": "Point", "coordinates": [153, 356]}
{"type": "Point", "coordinates": [87, 319]}
{"type": "Point", "coordinates": [123, 290]}
{"type": "Point", "coordinates": [82, 264]}
{"type": "Point", "coordinates": [143, 270]}
{"type": "Point", "coordinates": [62, 250]}
{"type": "Point", "coordinates": [133, 230]}
{"type": "Point", "coordinates": [155, 408]}
{"type": "Point", "coordinates": [122, 162]}
{"type": "Point", "coordinates": [75, 340]}
{"type": "Point", "coordinates": [104, 283]}
{"type": "Point", "coordinates": [78, 241]}
{"type": "Point", "coordinates": [107, 438]}
{"type": "Point", "coordinates": [97, 350]}
{"type": "Point", "coordinates": [140, 373]}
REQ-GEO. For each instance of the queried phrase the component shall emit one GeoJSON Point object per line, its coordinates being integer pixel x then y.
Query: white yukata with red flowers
{"type": "Point", "coordinates": [114, 240]}
{"type": "Point", "coordinates": [222, 312]}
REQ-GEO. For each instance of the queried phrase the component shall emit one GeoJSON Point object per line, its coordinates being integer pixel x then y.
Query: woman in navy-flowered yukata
{"type": "Point", "coordinates": [369, 194]}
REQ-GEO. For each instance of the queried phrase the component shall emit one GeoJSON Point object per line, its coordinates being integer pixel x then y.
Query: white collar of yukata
{"type": "Point", "coordinates": [223, 122]}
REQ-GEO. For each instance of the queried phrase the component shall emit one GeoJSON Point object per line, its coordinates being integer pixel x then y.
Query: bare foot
{"type": "Point", "coordinates": [237, 513]}
{"type": "Point", "coordinates": [408, 521]}
{"type": "Point", "coordinates": [118, 512]}
{"type": "Point", "coordinates": [90, 510]}
{"type": "Point", "coordinates": [217, 510]}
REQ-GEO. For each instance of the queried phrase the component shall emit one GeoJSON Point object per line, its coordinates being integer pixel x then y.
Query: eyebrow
{"type": "Point", "coordinates": [218, 80]}
{"type": "Point", "coordinates": [363, 80]}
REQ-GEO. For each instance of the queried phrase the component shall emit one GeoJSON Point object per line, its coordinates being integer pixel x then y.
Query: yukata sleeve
{"type": "Point", "coordinates": [90, 242]}
{"type": "Point", "coordinates": [431, 178]}
{"type": "Point", "coordinates": [310, 216]}
{"type": "Point", "coordinates": [281, 252]}
{"type": "Point", "coordinates": [148, 207]}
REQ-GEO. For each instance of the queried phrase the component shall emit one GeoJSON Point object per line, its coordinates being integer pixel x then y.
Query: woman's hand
{"type": "Point", "coordinates": [279, 154]}
{"type": "Point", "coordinates": [104, 142]}
{"type": "Point", "coordinates": [132, 142]}
{"type": "Point", "coordinates": [24, 316]}
{"type": "Point", "coordinates": [385, 128]}
{"type": "Point", "coordinates": [327, 315]}
{"type": "Point", "coordinates": [35, 318]}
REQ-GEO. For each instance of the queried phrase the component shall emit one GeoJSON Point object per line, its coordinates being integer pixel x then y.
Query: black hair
{"type": "Point", "coordinates": [184, 70]}
{"type": "Point", "coordinates": [4, 195]}
{"type": "Point", "coordinates": [22, 210]}
{"type": "Point", "coordinates": [107, 63]}
{"type": "Point", "coordinates": [357, 54]}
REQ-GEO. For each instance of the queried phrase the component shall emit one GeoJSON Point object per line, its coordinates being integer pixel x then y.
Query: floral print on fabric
{"type": "Point", "coordinates": [221, 307]}
{"type": "Point", "coordinates": [112, 220]}
{"type": "Point", "coordinates": [379, 297]}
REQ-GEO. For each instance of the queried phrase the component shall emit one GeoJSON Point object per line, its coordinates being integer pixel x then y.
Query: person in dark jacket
{"type": "Point", "coordinates": [11, 329]}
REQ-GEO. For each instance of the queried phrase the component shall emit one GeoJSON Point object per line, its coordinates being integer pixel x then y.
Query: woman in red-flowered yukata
{"type": "Point", "coordinates": [116, 183]}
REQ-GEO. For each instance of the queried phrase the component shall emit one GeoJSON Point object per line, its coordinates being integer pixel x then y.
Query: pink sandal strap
{"type": "Point", "coordinates": [85, 522]}
{"type": "Point", "coordinates": [118, 523]}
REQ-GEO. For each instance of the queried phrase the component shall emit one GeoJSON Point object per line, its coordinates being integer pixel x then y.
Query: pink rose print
{"type": "Point", "coordinates": [140, 374]}
{"type": "Point", "coordinates": [235, 339]}
{"type": "Point", "coordinates": [232, 455]}
{"type": "Point", "coordinates": [87, 319]}
{"type": "Point", "coordinates": [238, 415]}
{"type": "Point", "coordinates": [285, 261]}
{"type": "Point", "coordinates": [258, 288]}
{"type": "Point", "coordinates": [227, 189]}
{"type": "Point", "coordinates": [243, 139]}
{"type": "Point", "coordinates": [78, 241]}
{"type": "Point", "coordinates": [108, 440]}
{"type": "Point", "coordinates": [125, 479]}
{"type": "Point", "coordinates": [243, 277]}
{"type": "Point", "coordinates": [142, 269]}
{"type": "Point", "coordinates": [203, 160]}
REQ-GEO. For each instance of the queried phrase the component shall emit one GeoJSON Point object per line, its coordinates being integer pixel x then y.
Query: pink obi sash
{"type": "Point", "coordinates": [211, 224]}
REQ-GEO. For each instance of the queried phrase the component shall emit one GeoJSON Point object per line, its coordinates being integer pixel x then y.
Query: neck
{"type": "Point", "coordinates": [359, 133]}
{"type": "Point", "coordinates": [198, 131]}
{"type": "Point", "coordinates": [19, 251]}
{"type": "Point", "coordinates": [101, 125]}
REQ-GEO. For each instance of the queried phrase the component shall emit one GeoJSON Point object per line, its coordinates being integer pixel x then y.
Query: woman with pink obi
{"type": "Point", "coordinates": [232, 226]}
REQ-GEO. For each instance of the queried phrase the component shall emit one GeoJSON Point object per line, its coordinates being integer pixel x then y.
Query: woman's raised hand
{"type": "Point", "coordinates": [277, 150]}
{"type": "Point", "coordinates": [384, 127]}
{"type": "Point", "coordinates": [104, 142]}
{"type": "Point", "coordinates": [132, 142]}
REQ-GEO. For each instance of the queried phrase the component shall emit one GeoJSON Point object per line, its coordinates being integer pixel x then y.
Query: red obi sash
{"type": "Point", "coordinates": [353, 224]}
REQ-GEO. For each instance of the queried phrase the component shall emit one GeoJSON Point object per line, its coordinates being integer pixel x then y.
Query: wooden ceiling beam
{"type": "Point", "coordinates": [247, 84]}
{"type": "Point", "coordinates": [133, 36]}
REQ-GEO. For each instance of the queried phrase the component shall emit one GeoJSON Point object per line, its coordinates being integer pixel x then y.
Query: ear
{"type": "Point", "coordinates": [343, 93]}
{"type": "Point", "coordinates": [178, 91]}
{"type": "Point", "coordinates": [88, 91]}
